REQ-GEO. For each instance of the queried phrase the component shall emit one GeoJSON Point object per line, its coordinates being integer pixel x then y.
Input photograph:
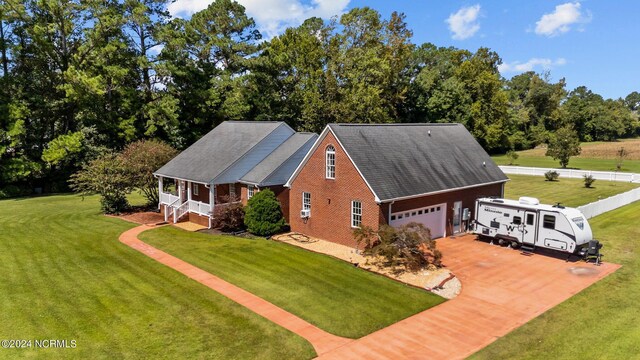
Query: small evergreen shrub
{"type": "Point", "coordinates": [551, 175]}
{"type": "Point", "coordinates": [588, 181]}
{"type": "Point", "coordinates": [263, 215]}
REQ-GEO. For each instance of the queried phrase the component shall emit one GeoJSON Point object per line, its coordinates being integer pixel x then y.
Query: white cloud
{"type": "Point", "coordinates": [561, 19]}
{"type": "Point", "coordinates": [532, 64]}
{"type": "Point", "coordinates": [271, 16]}
{"type": "Point", "coordinates": [464, 23]}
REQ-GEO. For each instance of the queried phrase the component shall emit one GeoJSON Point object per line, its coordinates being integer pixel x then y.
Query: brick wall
{"type": "Point", "coordinates": [331, 198]}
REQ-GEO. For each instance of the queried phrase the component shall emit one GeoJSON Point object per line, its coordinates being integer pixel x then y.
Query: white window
{"type": "Point", "coordinates": [306, 201]}
{"type": "Point", "coordinates": [356, 213]}
{"type": "Point", "coordinates": [250, 191]}
{"type": "Point", "coordinates": [331, 162]}
{"type": "Point", "coordinates": [195, 188]}
{"type": "Point", "coordinates": [232, 192]}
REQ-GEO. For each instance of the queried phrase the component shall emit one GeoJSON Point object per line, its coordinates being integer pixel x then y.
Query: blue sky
{"type": "Point", "coordinates": [595, 43]}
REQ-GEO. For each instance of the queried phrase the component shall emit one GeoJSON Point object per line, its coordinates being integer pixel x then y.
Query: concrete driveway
{"type": "Point", "coordinates": [501, 290]}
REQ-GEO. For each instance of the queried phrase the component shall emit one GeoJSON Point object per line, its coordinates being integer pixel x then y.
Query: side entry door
{"type": "Point", "coordinates": [529, 228]}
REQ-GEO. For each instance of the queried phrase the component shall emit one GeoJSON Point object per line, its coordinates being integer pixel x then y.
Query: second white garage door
{"type": "Point", "coordinates": [432, 217]}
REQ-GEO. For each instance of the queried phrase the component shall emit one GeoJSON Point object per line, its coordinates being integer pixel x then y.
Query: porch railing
{"type": "Point", "coordinates": [199, 208]}
{"type": "Point", "coordinates": [180, 211]}
{"type": "Point", "coordinates": [167, 198]}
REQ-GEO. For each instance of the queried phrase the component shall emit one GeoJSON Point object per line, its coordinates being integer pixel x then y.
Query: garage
{"type": "Point", "coordinates": [432, 217]}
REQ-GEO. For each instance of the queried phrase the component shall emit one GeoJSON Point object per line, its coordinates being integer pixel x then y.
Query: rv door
{"type": "Point", "coordinates": [529, 228]}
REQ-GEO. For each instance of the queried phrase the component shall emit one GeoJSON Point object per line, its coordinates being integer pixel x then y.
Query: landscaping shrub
{"type": "Point", "coordinates": [108, 177]}
{"type": "Point", "coordinates": [512, 156]}
{"type": "Point", "coordinates": [229, 216]}
{"type": "Point", "coordinates": [409, 246]}
{"type": "Point", "coordinates": [263, 215]}
{"type": "Point", "coordinates": [551, 175]}
{"type": "Point", "coordinates": [588, 181]}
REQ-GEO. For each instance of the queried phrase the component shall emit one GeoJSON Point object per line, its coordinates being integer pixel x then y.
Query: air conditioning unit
{"type": "Point", "coordinates": [305, 213]}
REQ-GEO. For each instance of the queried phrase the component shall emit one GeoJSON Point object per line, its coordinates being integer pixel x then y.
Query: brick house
{"type": "Point", "coordinates": [363, 174]}
{"type": "Point", "coordinates": [230, 164]}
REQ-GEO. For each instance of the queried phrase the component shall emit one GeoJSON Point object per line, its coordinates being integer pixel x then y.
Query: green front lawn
{"type": "Point", "coordinates": [602, 321]}
{"type": "Point", "coordinates": [329, 293]}
{"type": "Point", "coordinates": [65, 275]}
{"type": "Point", "coordinates": [575, 163]}
{"type": "Point", "coordinates": [569, 192]}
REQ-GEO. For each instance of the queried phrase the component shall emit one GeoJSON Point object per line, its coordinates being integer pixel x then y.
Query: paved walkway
{"type": "Point", "coordinates": [501, 290]}
{"type": "Point", "coordinates": [321, 340]}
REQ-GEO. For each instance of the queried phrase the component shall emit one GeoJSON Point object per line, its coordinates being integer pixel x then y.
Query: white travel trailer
{"type": "Point", "coordinates": [529, 224]}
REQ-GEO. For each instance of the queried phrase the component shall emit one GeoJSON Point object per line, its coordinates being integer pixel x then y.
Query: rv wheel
{"type": "Point", "coordinates": [501, 242]}
{"type": "Point", "coordinates": [515, 244]}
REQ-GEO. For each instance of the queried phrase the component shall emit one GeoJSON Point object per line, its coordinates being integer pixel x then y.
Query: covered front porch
{"type": "Point", "coordinates": [180, 197]}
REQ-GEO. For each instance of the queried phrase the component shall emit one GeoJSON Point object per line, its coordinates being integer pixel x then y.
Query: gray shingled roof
{"type": "Point", "coordinates": [403, 160]}
{"type": "Point", "coordinates": [276, 168]}
{"type": "Point", "coordinates": [210, 156]}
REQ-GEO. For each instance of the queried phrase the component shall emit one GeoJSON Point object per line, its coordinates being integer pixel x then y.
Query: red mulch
{"type": "Point", "coordinates": [144, 217]}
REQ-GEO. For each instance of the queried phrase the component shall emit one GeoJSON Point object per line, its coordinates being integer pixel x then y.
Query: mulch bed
{"type": "Point", "coordinates": [142, 217]}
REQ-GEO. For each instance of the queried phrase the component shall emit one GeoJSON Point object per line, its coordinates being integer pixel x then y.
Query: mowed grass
{"type": "Point", "coordinates": [66, 276]}
{"type": "Point", "coordinates": [601, 322]}
{"type": "Point", "coordinates": [601, 156]}
{"type": "Point", "coordinates": [568, 192]}
{"type": "Point", "coordinates": [329, 293]}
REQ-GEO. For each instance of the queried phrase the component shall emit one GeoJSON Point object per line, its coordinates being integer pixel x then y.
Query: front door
{"type": "Point", "coordinates": [529, 228]}
{"type": "Point", "coordinates": [457, 216]}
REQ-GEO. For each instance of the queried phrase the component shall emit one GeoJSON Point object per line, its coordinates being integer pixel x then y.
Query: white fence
{"type": "Point", "coordinates": [570, 173]}
{"type": "Point", "coordinates": [611, 203]}
{"type": "Point", "coordinates": [595, 208]}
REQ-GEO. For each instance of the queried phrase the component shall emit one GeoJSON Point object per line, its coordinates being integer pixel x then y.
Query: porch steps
{"type": "Point", "coordinates": [527, 249]}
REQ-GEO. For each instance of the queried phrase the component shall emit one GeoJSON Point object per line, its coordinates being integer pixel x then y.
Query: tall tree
{"type": "Point", "coordinates": [204, 61]}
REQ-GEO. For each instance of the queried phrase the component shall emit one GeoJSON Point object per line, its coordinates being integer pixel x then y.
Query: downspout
{"type": "Point", "coordinates": [389, 214]}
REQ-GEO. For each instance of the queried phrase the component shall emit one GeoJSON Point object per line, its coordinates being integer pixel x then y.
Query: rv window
{"type": "Point", "coordinates": [549, 222]}
{"type": "Point", "coordinates": [517, 220]}
{"type": "Point", "coordinates": [530, 219]}
{"type": "Point", "coordinates": [579, 221]}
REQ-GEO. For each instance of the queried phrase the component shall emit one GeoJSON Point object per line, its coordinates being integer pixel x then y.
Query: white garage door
{"type": "Point", "coordinates": [432, 217]}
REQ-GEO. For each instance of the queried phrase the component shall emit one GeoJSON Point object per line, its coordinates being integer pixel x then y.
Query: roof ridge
{"type": "Point", "coordinates": [396, 124]}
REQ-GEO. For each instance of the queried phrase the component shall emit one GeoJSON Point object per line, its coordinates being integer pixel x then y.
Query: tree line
{"type": "Point", "coordinates": [84, 78]}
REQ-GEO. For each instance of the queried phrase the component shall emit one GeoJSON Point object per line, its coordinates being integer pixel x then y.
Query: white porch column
{"type": "Point", "coordinates": [160, 188]}
{"type": "Point", "coordinates": [189, 186]}
{"type": "Point", "coordinates": [212, 195]}
{"type": "Point", "coordinates": [180, 185]}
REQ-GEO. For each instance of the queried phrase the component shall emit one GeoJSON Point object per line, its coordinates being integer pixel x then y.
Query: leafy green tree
{"type": "Point", "coordinates": [141, 159]}
{"type": "Point", "coordinates": [564, 144]}
{"type": "Point", "coordinates": [263, 215]}
{"type": "Point", "coordinates": [204, 62]}
{"type": "Point", "coordinates": [108, 177]}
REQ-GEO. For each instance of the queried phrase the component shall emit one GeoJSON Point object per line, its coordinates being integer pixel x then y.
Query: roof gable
{"type": "Point", "coordinates": [404, 160]}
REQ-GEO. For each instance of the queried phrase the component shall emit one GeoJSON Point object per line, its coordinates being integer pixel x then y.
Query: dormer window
{"type": "Point", "coordinates": [331, 162]}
